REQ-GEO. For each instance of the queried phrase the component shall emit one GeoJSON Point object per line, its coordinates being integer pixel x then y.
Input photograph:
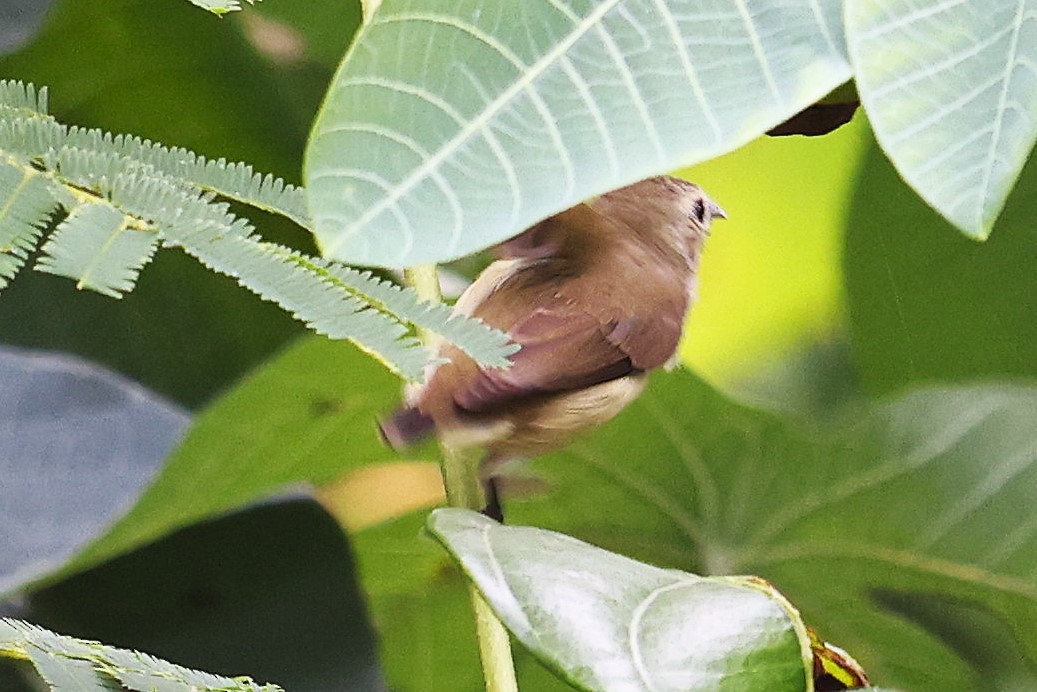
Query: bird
{"type": "Point", "coordinates": [596, 297]}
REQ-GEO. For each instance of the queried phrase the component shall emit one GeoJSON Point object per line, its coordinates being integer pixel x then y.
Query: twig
{"type": "Point", "coordinates": [460, 470]}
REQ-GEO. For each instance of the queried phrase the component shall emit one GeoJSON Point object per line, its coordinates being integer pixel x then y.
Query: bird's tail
{"type": "Point", "coordinates": [405, 427]}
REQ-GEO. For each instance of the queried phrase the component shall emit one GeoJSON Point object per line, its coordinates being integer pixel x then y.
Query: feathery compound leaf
{"type": "Point", "coordinates": [96, 246]}
{"type": "Point", "coordinates": [67, 663]}
{"type": "Point", "coordinates": [63, 662]}
{"type": "Point", "coordinates": [27, 135]}
{"type": "Point", "coordinates": [27, 131]}
{"type": "Point", "coordinates": [220, 7]}
{"type": "Point", "coordinates": [482, 342]}
{"type": "Point", "coordinates": [236, 181]}
{"type": "Point", "coordinates": [473, 336]}
{"type": "Point", "coordinates": [63, 673]}
{"type": "Point", "coordinates": [25, 206]}
{"type": "Point", "coordinates": [326, 308]}
{"type": "Point", "coordinates": [21, 96]}
{"type": "Point", "coordinates": [143, 672]}
{"type": "Point", "coordinates": [171, 193]}
{"type": "Point", "coordinates": [224, 243]}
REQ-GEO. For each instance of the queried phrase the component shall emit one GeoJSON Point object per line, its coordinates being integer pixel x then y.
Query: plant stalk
{"type": "Point", "coordinates": [460, 469]}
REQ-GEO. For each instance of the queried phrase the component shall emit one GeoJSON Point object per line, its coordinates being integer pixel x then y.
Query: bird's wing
{"type": "Point", "coordinates": [649, 336]}
{"type": "Point", "coordinates": [565, 349]}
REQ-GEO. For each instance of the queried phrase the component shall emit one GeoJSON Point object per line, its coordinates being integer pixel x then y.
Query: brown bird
{"type": "Point", "coordinates": [596, 296]}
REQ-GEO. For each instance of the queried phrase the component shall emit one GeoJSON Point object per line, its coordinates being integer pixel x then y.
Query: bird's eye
{"type": "Point", "coordinates": [699, 210]}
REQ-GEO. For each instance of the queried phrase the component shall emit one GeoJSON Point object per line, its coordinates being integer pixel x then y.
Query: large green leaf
{"type": "Point", "coordinates": [926, 303]}
{"type": "Point", "coordinates": [79, 444]}
{"type": "Point", "coordinates": [951, 91]}
{"type": "Point", "coordinates": [606, 622]}
{"type": "Point", "coordinates": [306, 417]}
{"type": "Point", "coordinates": [453, 125]}
{"type": "Point", "coordinates": [932, 493]}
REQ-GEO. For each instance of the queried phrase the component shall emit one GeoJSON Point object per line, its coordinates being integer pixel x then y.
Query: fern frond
{"type": "Point", "coordinates": [96, 246]}
{"type": "Point", "coordinates": [25, 208]}
{"type": "Point", "coordinates": [67, 663]}
{"type": "Point", "coordinates": [22, 96]}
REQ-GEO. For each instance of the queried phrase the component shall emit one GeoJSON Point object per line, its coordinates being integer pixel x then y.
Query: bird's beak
{"type": "Point", "coordinates": [716, 211]}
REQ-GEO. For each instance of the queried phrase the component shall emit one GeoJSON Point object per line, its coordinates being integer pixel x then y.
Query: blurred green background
{"type": "Point", "coordinates": [829, 284]}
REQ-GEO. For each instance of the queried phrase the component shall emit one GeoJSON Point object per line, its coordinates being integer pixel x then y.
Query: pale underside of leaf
{"type": "Point", "coordinates": [505, 113]}
{"type": "Point", "coordinates": [950, 88]}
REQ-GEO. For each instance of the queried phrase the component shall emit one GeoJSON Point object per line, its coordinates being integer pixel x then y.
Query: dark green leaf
{"type": "Point", "coordinates": [308, 416]}
{"type": "Point", "coordinates": [926, 303]}
{"type": "Point", "coordinates": [975, 633]}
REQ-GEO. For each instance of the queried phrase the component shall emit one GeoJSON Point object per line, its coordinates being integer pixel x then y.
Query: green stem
{"type": "Point", "coordinates": [498, 668]}
{"type": "Point", "coordinates": [460, 470]}
{"type": "Point", "coordinates": [424, 279]}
